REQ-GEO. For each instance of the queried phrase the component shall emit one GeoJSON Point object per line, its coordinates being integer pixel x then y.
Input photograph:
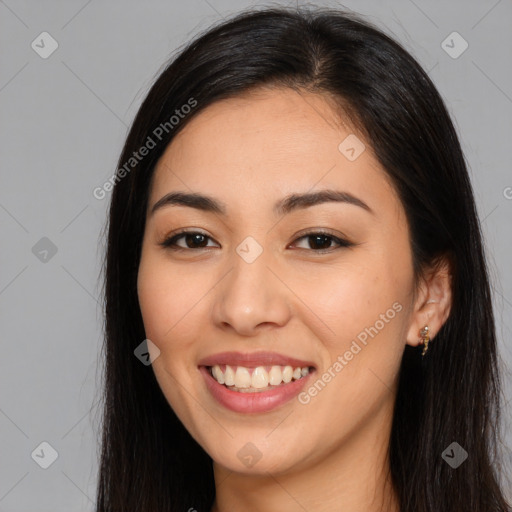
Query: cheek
{"type": "Point", "coordinates": [350, 297]}
{"type": "Point", "coordinates": [170, 306]}
{"type": "Point", "coordinates": [365, 309]}
{"type": "Point", "coordinates": [169, 301]}
{"type": "Point", "coordinates": [364, 303]}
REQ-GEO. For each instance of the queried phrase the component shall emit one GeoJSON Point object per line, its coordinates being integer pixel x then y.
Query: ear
{"type": "Point", "coordinates": [433, 302]}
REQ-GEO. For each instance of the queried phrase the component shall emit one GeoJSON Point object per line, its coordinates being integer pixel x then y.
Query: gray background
{"type": "Point", "coordinates": [63, 122]}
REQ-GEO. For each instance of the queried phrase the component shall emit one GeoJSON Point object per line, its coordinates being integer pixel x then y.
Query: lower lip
{"type": "Point", "coordinates": [261, 401]}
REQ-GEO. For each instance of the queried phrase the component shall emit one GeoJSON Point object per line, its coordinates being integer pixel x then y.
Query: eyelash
{"type": "Point", "coordinates": [170, 242]}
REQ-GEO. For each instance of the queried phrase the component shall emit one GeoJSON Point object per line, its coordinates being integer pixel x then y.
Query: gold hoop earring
{"type": "Point", "coordinates": [424, 339]}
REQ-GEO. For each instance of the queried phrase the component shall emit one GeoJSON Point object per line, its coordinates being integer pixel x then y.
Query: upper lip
{"type": "Point", "coordinates": [253, 359]}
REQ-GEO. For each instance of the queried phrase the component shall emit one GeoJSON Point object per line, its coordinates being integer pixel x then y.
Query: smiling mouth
{"type": "Point", "coordinates": [257, 379]}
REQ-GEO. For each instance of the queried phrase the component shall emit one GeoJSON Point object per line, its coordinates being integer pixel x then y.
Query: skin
{"type": "Point", "coordinates": [249, 152]}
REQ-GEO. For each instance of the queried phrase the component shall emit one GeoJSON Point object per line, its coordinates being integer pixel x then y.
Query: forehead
{"type": "Point", "coordinates": [267, 144]}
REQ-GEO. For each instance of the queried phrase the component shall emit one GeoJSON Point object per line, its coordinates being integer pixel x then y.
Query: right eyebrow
{"type": "Point", "coordinates": [193, 200]}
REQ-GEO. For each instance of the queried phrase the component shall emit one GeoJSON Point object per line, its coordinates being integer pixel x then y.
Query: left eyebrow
{"type": "Point", "coordinates": [299, 201]}
{"type": "Point", "coordinates": [284, 206]}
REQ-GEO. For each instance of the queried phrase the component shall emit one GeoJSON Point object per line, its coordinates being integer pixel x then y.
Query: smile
{"type": "Point", "coordinates": [252, 399]}
{"type": "Point", "coordinates": [253, 380]}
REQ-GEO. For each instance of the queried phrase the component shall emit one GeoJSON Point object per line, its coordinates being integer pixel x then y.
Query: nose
{"type": "Point", "coordinates": [251, 298]}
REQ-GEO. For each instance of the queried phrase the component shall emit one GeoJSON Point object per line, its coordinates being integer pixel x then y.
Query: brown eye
{"type": "Point", "coordinates": [192, 240]}
{"type": "Point", "coordinates": [321, 242]}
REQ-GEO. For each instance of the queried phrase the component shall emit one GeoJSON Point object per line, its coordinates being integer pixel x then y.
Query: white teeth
{"type": "Point", "coordinates": [218, 375]}
{"type": "Point", "coordinates": [229, 376]}
{"type": "Point", "coordinates": [287, 374]}
{"type": "Point", "coordinates": [260, 378]}
{"type": "Point", "coordinates": [275, 376]}
{"type": "Point", "coordinates": [242, 377]}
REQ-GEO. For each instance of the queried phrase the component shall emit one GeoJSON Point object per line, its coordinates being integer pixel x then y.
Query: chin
{"type": "Point", "coordinates": [251, 459]}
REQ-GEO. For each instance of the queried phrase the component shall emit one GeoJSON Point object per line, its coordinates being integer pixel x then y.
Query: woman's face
{"type": "Point", "coordinates": [266, 279]}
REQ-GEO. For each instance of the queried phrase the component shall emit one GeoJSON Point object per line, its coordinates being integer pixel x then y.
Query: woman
{"type": "Point", "coordinates": [293, 245]}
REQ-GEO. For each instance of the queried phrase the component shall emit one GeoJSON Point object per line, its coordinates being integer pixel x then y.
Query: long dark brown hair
{"type": "Point", "coordinates": [148, 460]}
